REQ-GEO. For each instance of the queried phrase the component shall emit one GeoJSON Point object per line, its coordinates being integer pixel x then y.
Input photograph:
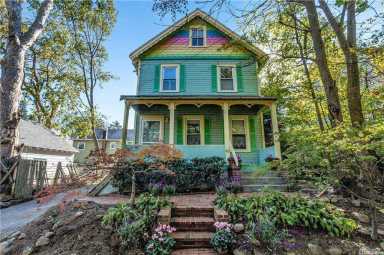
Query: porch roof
{"type": "Point", "coordinates": [203, 99]}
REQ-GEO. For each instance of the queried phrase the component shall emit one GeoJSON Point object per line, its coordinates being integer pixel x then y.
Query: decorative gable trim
{"type": "Point", "coordinates": [204, 16]}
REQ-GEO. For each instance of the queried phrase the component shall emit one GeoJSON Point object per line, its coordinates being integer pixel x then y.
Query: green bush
{"type": "Point", "coordinates": [185, 175]}
{"type": "Point", "coordinates": [287, 211]}
{"type": "Point", "coordinates": [134, 223]}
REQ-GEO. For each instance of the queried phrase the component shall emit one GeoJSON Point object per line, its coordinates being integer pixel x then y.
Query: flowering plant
{"type": "Point", "coordinates": [223, 239]}
{"type": "Point", "coordinates": [161, 242]}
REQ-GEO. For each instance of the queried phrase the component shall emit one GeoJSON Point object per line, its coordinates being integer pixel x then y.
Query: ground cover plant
{"type": "Point", "coordinates": [134, 222]}
{"type": "Point", "coordinates": [286, 211]}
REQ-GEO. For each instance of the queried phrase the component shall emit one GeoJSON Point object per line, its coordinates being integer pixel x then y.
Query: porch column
{"type": "Point", "coordinates": [171, 108]}
{"type": "Point", "coordinates": [225, 107]}
{"type": "Point", "coordinates": [125, 124]}
{"type": "Point", "coordinates": [275, 129]}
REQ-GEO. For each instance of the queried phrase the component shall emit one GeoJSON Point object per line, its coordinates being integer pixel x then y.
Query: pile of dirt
{"type": "Point", "coordinates": [73, 228]}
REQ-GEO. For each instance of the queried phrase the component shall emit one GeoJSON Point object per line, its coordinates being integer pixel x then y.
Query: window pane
{"type": "Point", "coordinates": [193, 132]}
{"type": "Point", "coordinates": [238, 127]}
{"type": "Point", "coordinates": [169, 78]}
{"type": "Point", "coordinates": [169, 72]}
{"type": "Point", "coordinates": [169, 84]}
{"type": "Point", "coordinates": [226, 84]}
{"type": "Point", "coordinates": [151, 131]}
{"type": "Point", "coordinates": [239, 141]}
{"type": "Point", "coordinates": [197, 37]}
{"type": "Point", "coordinates": [226, 72]}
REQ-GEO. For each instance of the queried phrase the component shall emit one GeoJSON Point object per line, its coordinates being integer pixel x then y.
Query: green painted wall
{"type": "Point", "coordinates": [214, 115]}
{"type": "Point", "coordinates": [198, 76]}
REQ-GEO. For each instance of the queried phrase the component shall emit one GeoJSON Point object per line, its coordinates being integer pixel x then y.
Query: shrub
{"type": "Point", "coordinates": [184, 175]}
{"type": "Point", "coordinates": [161, 242]}
{"type": "Point", "coordinates": [223, 239]}
{"type": "Point", "coordinates": [134, 223]}
{"type": "Point", "coordinates": [287, 211]}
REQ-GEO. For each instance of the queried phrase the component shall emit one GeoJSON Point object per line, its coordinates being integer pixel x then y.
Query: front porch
{"type": "Point", "coordinates": [205, 126]}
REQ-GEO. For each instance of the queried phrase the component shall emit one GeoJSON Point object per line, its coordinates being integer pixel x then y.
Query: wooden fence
{"type": "Point", "coordinates": [31, 176]}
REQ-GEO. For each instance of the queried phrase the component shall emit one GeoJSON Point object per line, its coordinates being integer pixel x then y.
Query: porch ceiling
{"type": "Point", "coordinates": [199, 100]}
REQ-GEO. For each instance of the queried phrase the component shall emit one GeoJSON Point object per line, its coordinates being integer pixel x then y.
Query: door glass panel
{"type": "Point", "coordinates": [193, 132]}
{"type": "Point", "coordinates": [239, 137]}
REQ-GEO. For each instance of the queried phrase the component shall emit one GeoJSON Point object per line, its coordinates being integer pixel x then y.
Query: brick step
{"type": "Point", "coordinates": [193, 223]}
{"type": "Point", "coordinates": [257, 188]}
{"type": "Point", "coordinates": [192, 239]}
{"type": "Point", "coordinates": [192, 211]}
{"type": "Point", "coordinates": [195, 251]}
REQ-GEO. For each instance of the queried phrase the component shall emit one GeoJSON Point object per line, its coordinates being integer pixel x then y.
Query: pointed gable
{"type": "Point", "coordinates": [174, 42]}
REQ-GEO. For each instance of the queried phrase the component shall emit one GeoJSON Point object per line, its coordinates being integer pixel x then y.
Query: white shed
{"type": "Point", "coordinates": [42, 143]}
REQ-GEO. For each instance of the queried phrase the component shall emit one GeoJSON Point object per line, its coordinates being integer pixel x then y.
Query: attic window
{"type": "Point", "coordinates": [197, 36]}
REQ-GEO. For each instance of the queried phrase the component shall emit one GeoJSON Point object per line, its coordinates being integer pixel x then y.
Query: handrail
{"type": "Point", "coordinates": [232, 151]}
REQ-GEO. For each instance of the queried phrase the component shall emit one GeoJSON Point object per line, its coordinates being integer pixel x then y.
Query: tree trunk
{"type": "Point", "coordinates": [12, 71]}
{"type": "Point", "coordinates": [307, 74]}
{"type": "Point", "coordinates": [348, 46]}
{"type": "Point", "coordinates": [11, 80]}
{"type": "Point", "coordinates": [329, 83]}
{"type": "Point", "coordinates": [354, 96]}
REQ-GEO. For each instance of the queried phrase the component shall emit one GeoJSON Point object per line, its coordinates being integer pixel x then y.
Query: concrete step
{"type": "Point", "coordinates": [258, 188]}
{"type": "Point", "coordinates": [195, 251]}
{"type": "Point", "coordinates": [193, 211]}
{"type": "Point", "coordinates": [193, 223]}
{"type": "Point", "coordinates": [192, 239]}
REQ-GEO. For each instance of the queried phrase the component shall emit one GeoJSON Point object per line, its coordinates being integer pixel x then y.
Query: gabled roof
{"type": "Point", "coordinates": [189, 17]}
{"type": "Point", "coordinates": [35, 135]}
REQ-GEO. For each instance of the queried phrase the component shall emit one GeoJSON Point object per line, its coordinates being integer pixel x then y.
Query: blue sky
{"type": "Point", "coordinates": [136, 23]}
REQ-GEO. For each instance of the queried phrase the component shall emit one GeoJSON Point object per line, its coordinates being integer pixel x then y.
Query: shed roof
{"type": "Point", "coordinates": [35, 135]}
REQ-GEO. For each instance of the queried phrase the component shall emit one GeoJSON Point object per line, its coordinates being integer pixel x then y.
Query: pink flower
{"type": "Point", "coordinates": [222, 225]}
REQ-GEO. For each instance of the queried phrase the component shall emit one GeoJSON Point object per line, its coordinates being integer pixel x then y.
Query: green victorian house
{"type": "Point", "coordinates": [198, 90]}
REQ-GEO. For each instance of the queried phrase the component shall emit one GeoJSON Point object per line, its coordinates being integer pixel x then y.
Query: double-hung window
{"type": "Point", "coordinates": [197, 37]}
{"type": "Point", "coordinates": [194, 126]}
{"type": "Point", "coordinates": [152, 129]}
{"type": "Point", "coordinates": [227, 78]}
{"type": "Point", "coordinates": [170, 78]}
{"type": "Point", "coordinates": [240, 133]}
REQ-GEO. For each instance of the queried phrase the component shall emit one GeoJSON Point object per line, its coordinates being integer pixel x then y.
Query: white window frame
{"type": "Point", "coordinates": [177, 77]}
{"type": "Point", "coordinates": [202, 130]}
{"type": "Point", "coordinates": [152, 118]}
{"type": "Point", "coordinates": [78, 146]}
{"type": "Point", "coordinates": [247, 133]}
{"type": "Point", "coordinates": [204, 34]}
{"type": "Point", "coordinates": [234, 77]}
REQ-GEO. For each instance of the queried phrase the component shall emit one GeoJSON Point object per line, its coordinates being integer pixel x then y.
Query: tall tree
{"type": "Point", "coordinates": [348, 45]}
{"type": "Point", "coordinates": [329, 83]}
{"type": "Point", "coordinates": [51, 82]}
{"type": "Point", "coordinates": [12, 69]}
{"type": "Point", "coordinates": [89, 22]}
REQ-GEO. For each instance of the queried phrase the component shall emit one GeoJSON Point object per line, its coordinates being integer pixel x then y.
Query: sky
{"type": "Point", "coordinates": [136, 23]}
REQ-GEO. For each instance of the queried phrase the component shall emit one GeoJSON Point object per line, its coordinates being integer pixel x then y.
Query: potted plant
{"type": "Point", "coordinates": [223, 239]}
